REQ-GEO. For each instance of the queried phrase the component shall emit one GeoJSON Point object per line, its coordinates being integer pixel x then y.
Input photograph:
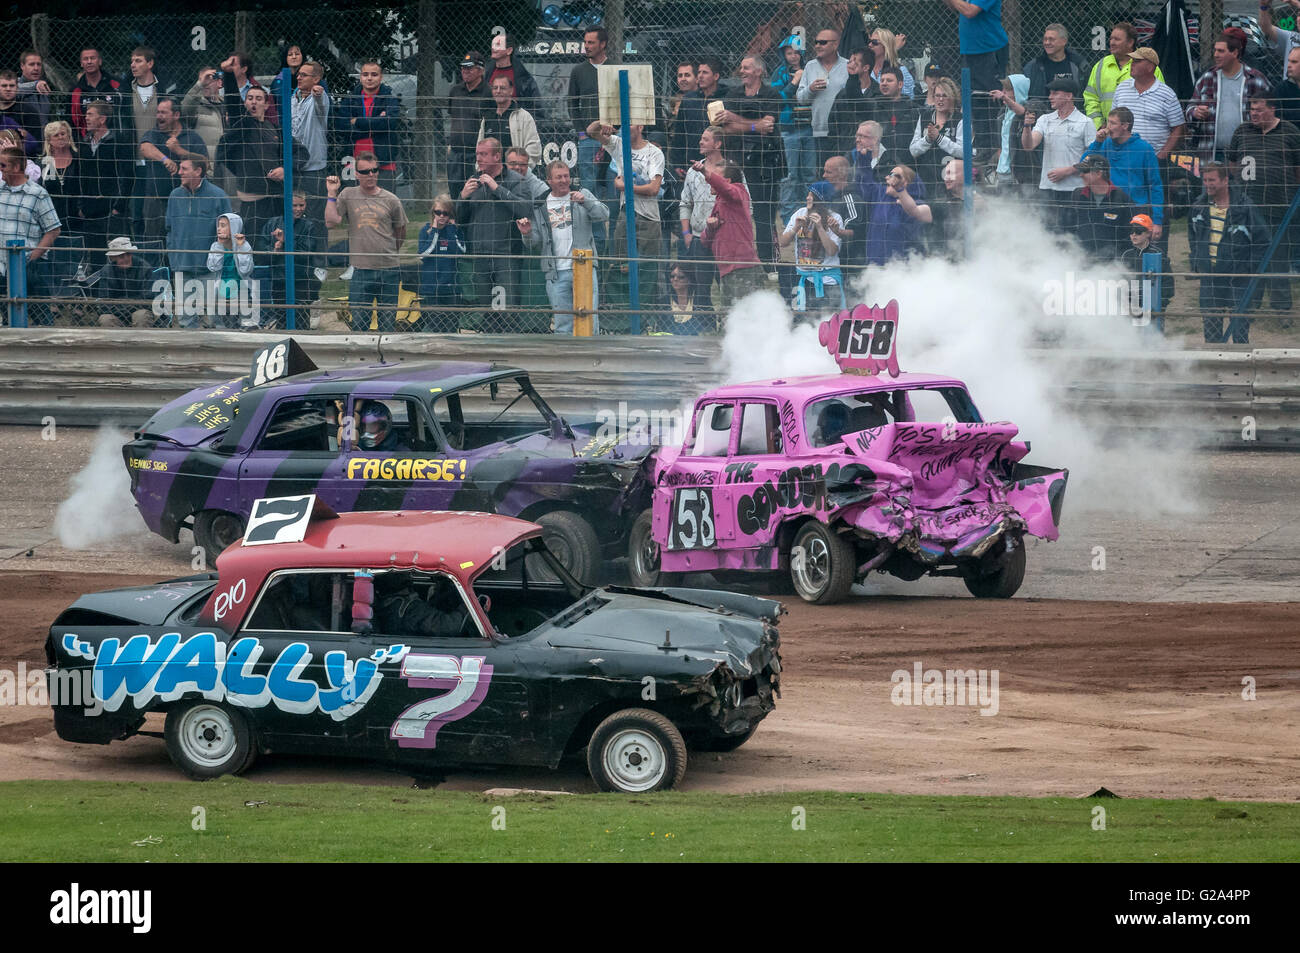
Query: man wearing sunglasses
{"type": "Point", "coordinates": [823, 78]}
{"type": "Point", "coordinates": [376, 231]}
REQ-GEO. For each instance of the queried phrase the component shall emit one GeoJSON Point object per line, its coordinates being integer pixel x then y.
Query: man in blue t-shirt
{"type": "Point", "coordinates": [983, 45]}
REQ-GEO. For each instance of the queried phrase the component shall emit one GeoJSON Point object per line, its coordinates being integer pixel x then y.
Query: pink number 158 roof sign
{"type": "Point", "coordinates": [864, 338]}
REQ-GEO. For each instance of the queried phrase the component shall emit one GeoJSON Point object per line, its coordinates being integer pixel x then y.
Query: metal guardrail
{"type": "Point", "coordinates": [85, 377]}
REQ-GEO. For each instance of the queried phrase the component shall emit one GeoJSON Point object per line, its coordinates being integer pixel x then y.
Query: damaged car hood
{"type": "Point", "coordinates": [657, 622]}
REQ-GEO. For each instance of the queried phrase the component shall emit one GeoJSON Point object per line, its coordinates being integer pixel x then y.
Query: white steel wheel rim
{"type": "Point", "coordinates": [635, 760]}
{"type": "Point", "coordinates": [647, 554]}
{"type": "Point", "coordinates": [816, 566]}
{"type": "Point", "coordinates": [207, 736]}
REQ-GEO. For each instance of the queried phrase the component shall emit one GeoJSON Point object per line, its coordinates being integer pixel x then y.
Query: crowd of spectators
{"type": "Point", "coordinates": [790, 170]}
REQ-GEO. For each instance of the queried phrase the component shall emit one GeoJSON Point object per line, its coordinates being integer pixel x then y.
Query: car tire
{"type": "Point", "coordinates": [1003, 583]}
{"type": "Point", "coordinates": [214, 531]}
{"type": "Point", "coordinates": [643, 557]}
{"type": "Point", "coordinates": [206, 740]}
{"type": "Point", "coordinates": [721, 743]}
{"type": "Point", "coordinates": [636, 751]}
{"type": "Point", "coordinates": [826, 572]}
{"type": "Point", "coordinates": [571, 539]}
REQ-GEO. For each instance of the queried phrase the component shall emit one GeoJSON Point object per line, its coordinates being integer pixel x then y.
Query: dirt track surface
{"type": "Point", "coordinates": [1144, 699]}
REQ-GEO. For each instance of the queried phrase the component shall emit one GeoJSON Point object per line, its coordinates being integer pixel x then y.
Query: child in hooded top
{"type": "Point", "coordinates": [230, 263]}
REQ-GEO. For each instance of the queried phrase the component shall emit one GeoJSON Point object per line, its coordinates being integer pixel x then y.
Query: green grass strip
{"type": "Point", "coordinates": [248, 821]}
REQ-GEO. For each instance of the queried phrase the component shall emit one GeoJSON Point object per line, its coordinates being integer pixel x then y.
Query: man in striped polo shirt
{"type": "Point", "coordinates": [1157, 116]}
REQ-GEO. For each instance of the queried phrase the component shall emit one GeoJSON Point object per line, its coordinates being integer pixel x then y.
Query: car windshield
{"type": "Point", "coordinates": [827, 420]}
{"type": "Point", "coordinates": [489, 413]}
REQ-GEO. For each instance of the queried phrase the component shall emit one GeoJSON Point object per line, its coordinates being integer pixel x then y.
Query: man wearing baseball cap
{"type": "Point", "coordinates": [1221, 100]}
{"type": "Point", "coordinates": [1099, 212]}
{"type": "Point", "coordinates": [1064, 134]}
{"type": "Point", "coordinates": [465, 105]}
{"type": "Point", "coordinates": [1157, 114]}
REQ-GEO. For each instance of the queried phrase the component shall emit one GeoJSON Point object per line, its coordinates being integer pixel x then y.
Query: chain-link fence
{"type": "Point", "coordinates": [417, 112]}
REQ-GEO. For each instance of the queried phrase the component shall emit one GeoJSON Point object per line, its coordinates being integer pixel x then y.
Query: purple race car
{"type": "Point", "coordinates": [831, 477]}
{"type": "Point", "coordinates": [385, 436]}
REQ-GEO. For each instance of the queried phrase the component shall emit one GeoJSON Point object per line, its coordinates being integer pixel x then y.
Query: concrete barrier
{"type": "Point", "coordinates": [89, 376]}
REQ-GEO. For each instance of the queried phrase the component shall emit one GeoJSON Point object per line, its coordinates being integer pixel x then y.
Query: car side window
{"type": "Point", "coordinates": [391, 424]}
{"type": "Point", "coordinates": [304, 601]}
{"type": "Point", "coordinates": [712, 430]}
{"type": "Point", "coordinates": [760, 430]}
{"type": "Point", "coordinates": [307, 424]}
{"type": "Point", "coordinates": [414, 605]}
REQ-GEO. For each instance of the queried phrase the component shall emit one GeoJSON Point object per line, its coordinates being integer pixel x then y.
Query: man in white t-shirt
{"type": "Point", "coordinates": [1063, 135]}
{"type": "Point", "coordinates": [562, 221]}
{"type": "Point", "coordinates": [647, 182]}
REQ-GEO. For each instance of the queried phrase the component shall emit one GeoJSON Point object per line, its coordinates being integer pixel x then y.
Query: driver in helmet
{"type": "Point", "coordinates": [832, 423]}
{"type": "Point", "coordinates": [375, 428]}
{"type": "Point", "coordinates": [400, 611]}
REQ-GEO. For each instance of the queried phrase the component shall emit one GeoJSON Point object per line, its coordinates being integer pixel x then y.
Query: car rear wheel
{"type": "Point", "coordinates": [643, 557]}
{"type": "Point", "coordinates": [573, 542]}
{"type": "Point", "coordinates": [207, 740]}
{"type": "Point", "coordinates": [822, 564]}
{"type": "Point", "coordinates": [214, 531]}
{"type": "Point", "coordinates": [1003, 582]}
{"type": "Point", "coordinates": [635, 751]}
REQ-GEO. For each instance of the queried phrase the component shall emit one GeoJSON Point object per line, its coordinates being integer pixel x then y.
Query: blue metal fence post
{"type": "Point", "coordinates": [968, 164]}
{"type": "Point", "coordinates": [1152, 269]}
{"type": "Point", "coordinates": [1268, 257]}
{"type": "Point", "coordinates": [16, 268]}
{"type": "Point", "coordinates": [286, 133]}
{"type": "Point", "coordinates": [629, 198]}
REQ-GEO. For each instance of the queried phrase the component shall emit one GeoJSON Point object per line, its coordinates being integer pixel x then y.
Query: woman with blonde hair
{"type": "Point", "coordinates": [59, 171]}
{"type": "Point", "coordinates": [884, 47]}
{"type": "Point", "coordinates": [939, 131]}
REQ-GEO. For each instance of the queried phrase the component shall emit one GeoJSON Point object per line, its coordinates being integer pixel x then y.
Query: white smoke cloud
{"type": "Point", "coordinates": [100, 507]}
{"type": "Point", "coordinates": [983, 321]}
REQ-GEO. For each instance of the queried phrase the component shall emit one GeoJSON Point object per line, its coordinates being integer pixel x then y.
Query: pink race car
{"type": "Point", "coordinates": [832, 476]}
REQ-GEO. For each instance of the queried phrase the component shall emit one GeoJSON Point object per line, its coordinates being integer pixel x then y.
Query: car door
{"type": "Point", "coordinates": [411, 471]}
{"type": "Point", "coordinates": [759, 488]}
{"type": "Point", "coordinates": [690, 494]}
{"type": "Point", "coordinates": [298, 668]}
{"type": "Point", "coordinates": [450, 698]}
{"type": "Point", "coordinates": [298, 451]}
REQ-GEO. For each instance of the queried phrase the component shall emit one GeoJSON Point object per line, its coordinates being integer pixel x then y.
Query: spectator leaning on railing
{"type": "Point", "coordinates": [27, 214]}
{"type": "Point", "coordinates": [192, 208]}
{"type": "Point", "coordinates": [561, 221]}
{"type": "Point", "coordinates": [1133, 165]}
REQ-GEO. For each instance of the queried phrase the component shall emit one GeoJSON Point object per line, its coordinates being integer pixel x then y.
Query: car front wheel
{"type": "Point", "coordinates": [574, 543]}
{"type": "Point", "coordinates": [207, 740]}
{"type": "Point", "coordinates": [822, 564]}
{"type": "Point", "coordinates": [1003, 582]}
{"type": "Point", "coordinates": [643, 557]}
{"type": "Point", "coordinates": [635, 751]}
{"type": "Point", "coordinates": [214, 531]}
